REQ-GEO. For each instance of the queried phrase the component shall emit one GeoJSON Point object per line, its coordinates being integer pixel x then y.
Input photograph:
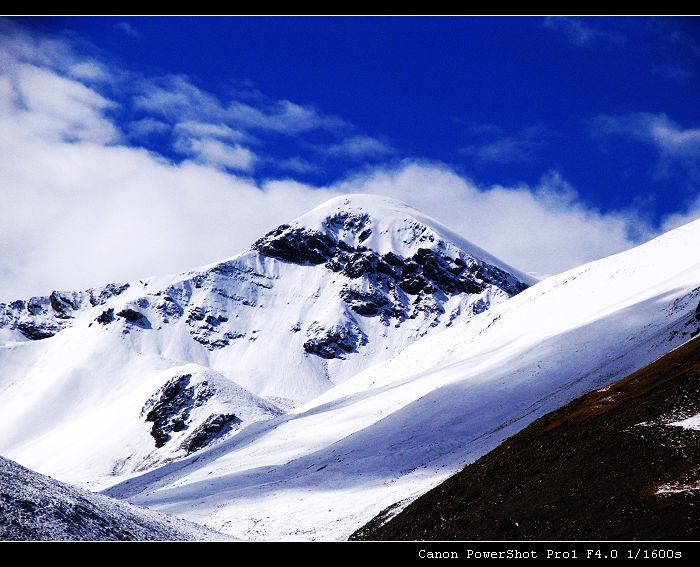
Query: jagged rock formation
{"type": "Point", "coordinates": [42, 317]}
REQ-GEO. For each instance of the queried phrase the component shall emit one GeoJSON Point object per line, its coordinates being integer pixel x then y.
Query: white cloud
{"type": "Point", "coordinates": [81, 214]}
{"type": "Point", "coordinates": [219, 154]}
{"type": "Point", "coordinates": [582, 32]}
{"type": "Point", "coordinates": [18, 45]}
{"type": "Point", "coordinates": [179, 99]}
{"type": "Point", "coordinates": [147, 126]}
{"type": "Point", "coordinates": [674, 144]}
{"type": "Point", "coordinates": [88, 71]}
{"type": "Point", "coordinates": [679, 219]}
{"type": "Point", "coordinates": [207, 129]}
{"type": "Point", "coordinates": [84, 213]}
{"type": "Point", "coordinates": [127, 29]}
{"type": "Point", "coordinates": [282, 116]}
{"type": "Point", "coordinates": [176, 98]}
{"type": "Point", "coordinates": [49, 105]}
{"type": "Point", "coordinates": [359, 147]}
{"type": "Point", "coordinates": [80, 208]}
{"type": "Point", "coordinates": [210, 143]}
{"type": "Point", "coordinates": [296, 165]}
{"type": "Point", "coordinates": [503, 147]}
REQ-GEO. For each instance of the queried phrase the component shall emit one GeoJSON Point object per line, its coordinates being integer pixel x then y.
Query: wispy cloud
{"type": "Point", "coordinates": [676, 146]}
{"type": "Point", "coordinates": [295, 165]}
{"type": "Point", "coordinates": [495, 145]}
{"type": "Point", "coordinates": [582, 32]}
{"type": "Point", "coordinates": [218, 154]}
{"type": "Point", "coordinates": [214, 144]}
{"type": "Point", "coordinates": [58, 107]}
{"type": "Point", "coordinates": [359, 147]}
{"type": "Point", "coordinates": [283, 116]}
{"type": "Point", "coordinates": [208, 129]}
{"type": "Point", "coordinates": [674, 71]}
{"type": "Point", "coordinates": [146, 127]}
{"type": "Point", "coordinates": [176, 97]}
{"type": "Point", "coordinates": [89, 71]}
{"type": "Point", "coordinates": [128, 29]}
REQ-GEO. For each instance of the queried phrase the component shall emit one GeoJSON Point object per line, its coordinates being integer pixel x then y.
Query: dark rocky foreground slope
{"type": "Point", "coordinates": [607, 466]}
{"type": "Point", "coordinates": [36, 507]}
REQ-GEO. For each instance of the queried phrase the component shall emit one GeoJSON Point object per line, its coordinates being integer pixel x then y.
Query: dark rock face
{"type": "Point", "coordinates": [370, 303]}
{"type": "Point", "coordinates": [213, 427]}
{"type": "Point", "coordinates": [335, 342]}
{"type": "Point", "coordinates": [428, 270]}
{"type": "Point", "coordinates": [100, 295]}
{"type": "Point", "coordinates": [399, 288]}
{"type": "Point", "coordinates": [169, 408]}
{"type": "Point", "coordinates": [130, 315]}
{"type": "Point", "coordinates": [350, 222]}
{"type": "Point", "coordinates": [36, 331]}
{"type": "Point", "coordinates": [169, 309]}
{"type": "Point", "coordinates": [64, 303]}
{"type": "Point", "coordinates": [106, 317]}
{"type": "Point", "coordinates": [697, 312]}
{"type": "Point", "coordinates": [296, 245]}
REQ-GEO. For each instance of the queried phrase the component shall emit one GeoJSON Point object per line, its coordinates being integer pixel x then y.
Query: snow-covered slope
{"type": "Point", "coordinates": [116, 380]}
{"type": "Point", "coordinates": [35, 507]}
{"type": "Point", "coordinates": [400, 427]}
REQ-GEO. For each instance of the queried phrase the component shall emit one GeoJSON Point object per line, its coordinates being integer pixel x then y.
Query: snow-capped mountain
{"type": "Point", "coordinates": [116, 380]}
{"type": "Point", "coordinates": [400, 427]}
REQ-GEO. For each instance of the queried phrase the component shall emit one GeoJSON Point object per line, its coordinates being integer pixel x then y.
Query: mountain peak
{"type": "Point", "coordinates": [373, 205]}
{"type": "Point", "coordinates": [385, 224]}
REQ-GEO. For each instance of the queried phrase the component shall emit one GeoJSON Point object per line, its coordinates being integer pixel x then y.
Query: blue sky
{"type": "Point", "coordinates": [549, 141]}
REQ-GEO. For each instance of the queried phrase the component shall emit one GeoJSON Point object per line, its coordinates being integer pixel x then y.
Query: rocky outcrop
{"type": "Point", "coordinates": [169, 408]}
{"type": "Point", "coordinates": [335, 342]}
{"type": "Point", "coordinates": [206, 328]}
{"type": "Point", "coordinates": [387, 285]}
{"type": "Point", "coordinates": [42, 317]}
{"type": "Point", "coordinates": [106, 317]}
{"type": "Point", "coordinates": [213, 427]}
{"type": "Point", "coordinates": [296, 245]}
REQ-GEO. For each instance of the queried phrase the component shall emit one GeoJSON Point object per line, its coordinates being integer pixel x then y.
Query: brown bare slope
{"type": "Point", "coordinates": [590, 470]}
